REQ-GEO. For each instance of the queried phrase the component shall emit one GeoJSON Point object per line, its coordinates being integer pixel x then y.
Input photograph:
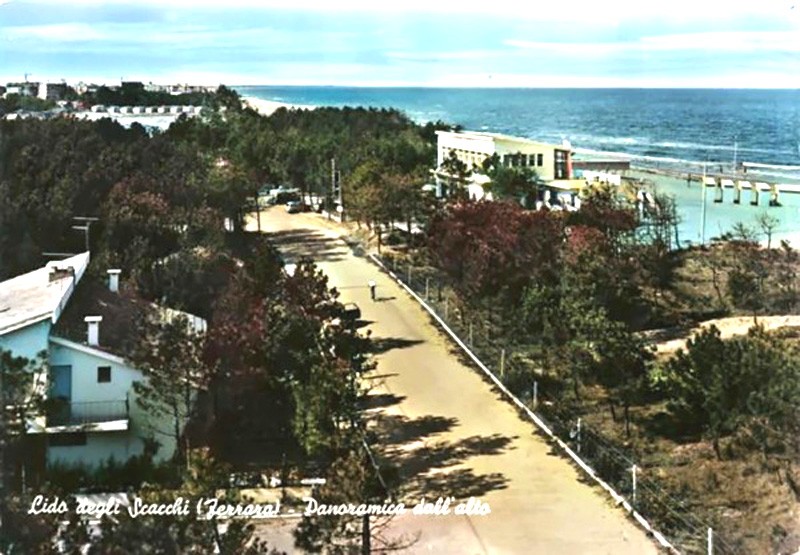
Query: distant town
{"type": "Point", "coordinates": [34, 99]}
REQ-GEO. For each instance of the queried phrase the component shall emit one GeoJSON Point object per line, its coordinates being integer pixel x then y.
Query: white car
{"type": "Point", "coordinates": [294, 206]}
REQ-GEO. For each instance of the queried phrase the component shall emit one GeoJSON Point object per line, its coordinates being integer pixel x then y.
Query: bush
{"type": "Point", "coordinates": [110, 475]}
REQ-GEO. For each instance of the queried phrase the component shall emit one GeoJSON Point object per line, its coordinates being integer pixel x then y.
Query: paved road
{"type": "Point", "coordinates": [452, 435]}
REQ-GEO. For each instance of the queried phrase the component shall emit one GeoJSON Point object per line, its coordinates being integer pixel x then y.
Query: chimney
{"type": "Point", "coordinates": [93, 329]}
{"type": "Point", "coordinates": [113, 280]}
{"type": "Point", "coordinates": [57, 273]}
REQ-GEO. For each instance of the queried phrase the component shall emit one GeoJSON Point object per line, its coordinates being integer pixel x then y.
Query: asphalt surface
{"type": "Point", "coordinates": [451, 434]}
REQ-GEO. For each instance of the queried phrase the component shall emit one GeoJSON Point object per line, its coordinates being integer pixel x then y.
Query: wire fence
{"type": "Point", "coordinates": [613, 462]}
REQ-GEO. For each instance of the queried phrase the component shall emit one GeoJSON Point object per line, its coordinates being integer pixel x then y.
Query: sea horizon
{"type": "Point", "coordinates": [679, 131]}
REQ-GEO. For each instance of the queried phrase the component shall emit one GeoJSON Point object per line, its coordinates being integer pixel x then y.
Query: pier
{"type": "Point", "coordinates": [757, 190]}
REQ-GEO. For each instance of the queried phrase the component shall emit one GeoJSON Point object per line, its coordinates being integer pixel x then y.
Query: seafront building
{"type": "Point", "coordinates": [552, 163]}
{"type": "Point", "coordinates": [80, 332]}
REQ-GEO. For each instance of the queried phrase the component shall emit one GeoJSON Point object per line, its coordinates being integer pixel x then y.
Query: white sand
{"type": "Point", "coordinates": [728, 327]}
{"type": "Point", "coordinates": [267, 107]}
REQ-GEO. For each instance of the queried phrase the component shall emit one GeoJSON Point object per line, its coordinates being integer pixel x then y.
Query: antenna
{"type": "Point", "coordinates": [87, 221]}
{"type": "Point", "coordinates": [58, 254]}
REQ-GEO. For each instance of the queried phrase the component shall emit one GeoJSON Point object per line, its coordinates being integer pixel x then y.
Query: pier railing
{"type": "Point", "coordinates": [668, 513]}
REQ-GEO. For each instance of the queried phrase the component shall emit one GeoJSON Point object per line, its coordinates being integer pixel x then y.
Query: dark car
{"type": "Point", "coordinates": [351, 313]}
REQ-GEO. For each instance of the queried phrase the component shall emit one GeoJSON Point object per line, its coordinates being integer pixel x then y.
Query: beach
{"type": "Point", "coordinates": [268, 107]}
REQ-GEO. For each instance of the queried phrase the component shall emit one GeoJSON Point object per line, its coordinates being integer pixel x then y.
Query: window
{"type": "Point", "coordinates": [67, 439]}
{"type": "Point", "coordinates": [103, 374]}
{"type": "Point", "coordinates": [540, 160]}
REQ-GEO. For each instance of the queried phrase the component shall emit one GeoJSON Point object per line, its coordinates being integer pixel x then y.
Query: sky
{"type": "Point", "coordinates": [494, 43]}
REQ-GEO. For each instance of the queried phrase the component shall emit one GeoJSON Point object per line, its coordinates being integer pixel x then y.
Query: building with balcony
{"type": "Point", "coordinates": [81, 330]}
{"type": "Point", "coordinates": [552, 163]}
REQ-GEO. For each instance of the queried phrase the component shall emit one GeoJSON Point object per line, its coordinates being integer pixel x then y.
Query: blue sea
{"type": "Point", "coordinates": [677, 129]}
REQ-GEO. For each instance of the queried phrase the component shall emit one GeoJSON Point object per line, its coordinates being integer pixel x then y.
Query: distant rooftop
{"type": "Point", "coordinates": [498, 137]}
{"type": "Point", "coordinates": [41, 294]}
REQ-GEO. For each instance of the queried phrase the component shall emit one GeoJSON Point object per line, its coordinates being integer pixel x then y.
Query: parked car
{"type": "Point", "coordinates": [350, 313]}
{"type": "Point", "coordinates": [294, 206]}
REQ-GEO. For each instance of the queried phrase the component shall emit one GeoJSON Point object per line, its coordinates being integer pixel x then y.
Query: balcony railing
{"type": "Point", "coordinates": [62, 412]}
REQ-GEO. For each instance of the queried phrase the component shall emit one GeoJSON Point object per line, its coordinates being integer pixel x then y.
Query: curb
{"type": "Point", "coordinates": [538, 421]}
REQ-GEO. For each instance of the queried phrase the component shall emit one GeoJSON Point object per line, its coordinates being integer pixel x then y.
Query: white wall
{"type": "Point", "coordinates": [99, 448]}
{"type": "Point", "coordinates": [84, 375]}
{"type": "Point", "coordinates": [27, 342]}
{"type": "Point", "coordinates": [85, 388]}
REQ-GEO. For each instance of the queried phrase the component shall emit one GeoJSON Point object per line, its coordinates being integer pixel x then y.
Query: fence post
{"type": "Point", "coordinates": [710, 539]}
{"type": "Point", "coordinates": [535, 394]}
{"type": "Point", "coordinates": [470, 334]}
{"type": "Point", "coordinates": [576, 434]}
{"type": "Point", "coordinates": [409, 276]}
{"type": "Point", "coordinates": [394, 263]}
{"type": "Point", "coordinates": [427, 288]}
{"type": "Point", "coordinates": [502, 363]}
{"type": "Point", "coordinates": [446, 307]}
{"type": "Point", "coordinates": [633, 477]}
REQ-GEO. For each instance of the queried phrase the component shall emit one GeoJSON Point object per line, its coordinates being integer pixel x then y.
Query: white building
{"type": "Point", "coordinates": [23, 89]}
{"type": "Point", "coordinates": [52, 91]}
{"type": "Point", "coordinates": [82, 330]}
{"type": "Point", "coordinates": [552, 163]}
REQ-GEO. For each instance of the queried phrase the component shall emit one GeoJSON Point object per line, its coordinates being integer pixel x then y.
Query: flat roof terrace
{"type": "Point", "coordinates": [40, 294]}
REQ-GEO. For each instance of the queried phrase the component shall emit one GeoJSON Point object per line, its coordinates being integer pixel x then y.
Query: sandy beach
{"type": "Point", "coordinates": [267, 107]}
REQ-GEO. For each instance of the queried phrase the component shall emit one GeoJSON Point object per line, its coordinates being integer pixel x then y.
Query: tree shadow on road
{"type": "Point", "coordinates": [382, 400]}
{"type": "Point", "coordinates": [461, 483]}
{"type": "Point", "coordinates": [425, 464]}
{"type": "Point", "coordinates": [394, 430]}
{"type": "Point", "coordinates": [385, 344]}
{"type": "Point", "coordinates": [307, 243]}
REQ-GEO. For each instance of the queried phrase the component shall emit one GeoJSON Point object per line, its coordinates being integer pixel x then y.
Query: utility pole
{"type": "Point", "coordinates": [333, 187]}
{"type": "Point", "coordinates": [336, 189]}
{"type": "Point", "coordinates": [703, 209]}
{"type": "Point", "coordinates": [366, 536]}
{"type": "Point", "coordinates": [2, 448]}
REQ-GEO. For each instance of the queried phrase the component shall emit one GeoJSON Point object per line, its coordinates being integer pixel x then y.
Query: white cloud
{"type": "Point", "coordinates": [58, 32]}
{"type": "Point", "coordinates": [712, 41]}
{"type": "Point", "coordinates": [583, 11]}
{"type": "Point", "coordinates": [726, 41]}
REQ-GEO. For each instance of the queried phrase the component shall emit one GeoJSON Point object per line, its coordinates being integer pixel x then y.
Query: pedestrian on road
{"type": "Point", "coordinates": [372, 286]}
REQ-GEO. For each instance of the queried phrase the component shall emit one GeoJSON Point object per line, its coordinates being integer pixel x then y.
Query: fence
{"type": "Point", "coordinates": [613, 463]}
{"type": "Point", "coordinates": [66, 413]}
